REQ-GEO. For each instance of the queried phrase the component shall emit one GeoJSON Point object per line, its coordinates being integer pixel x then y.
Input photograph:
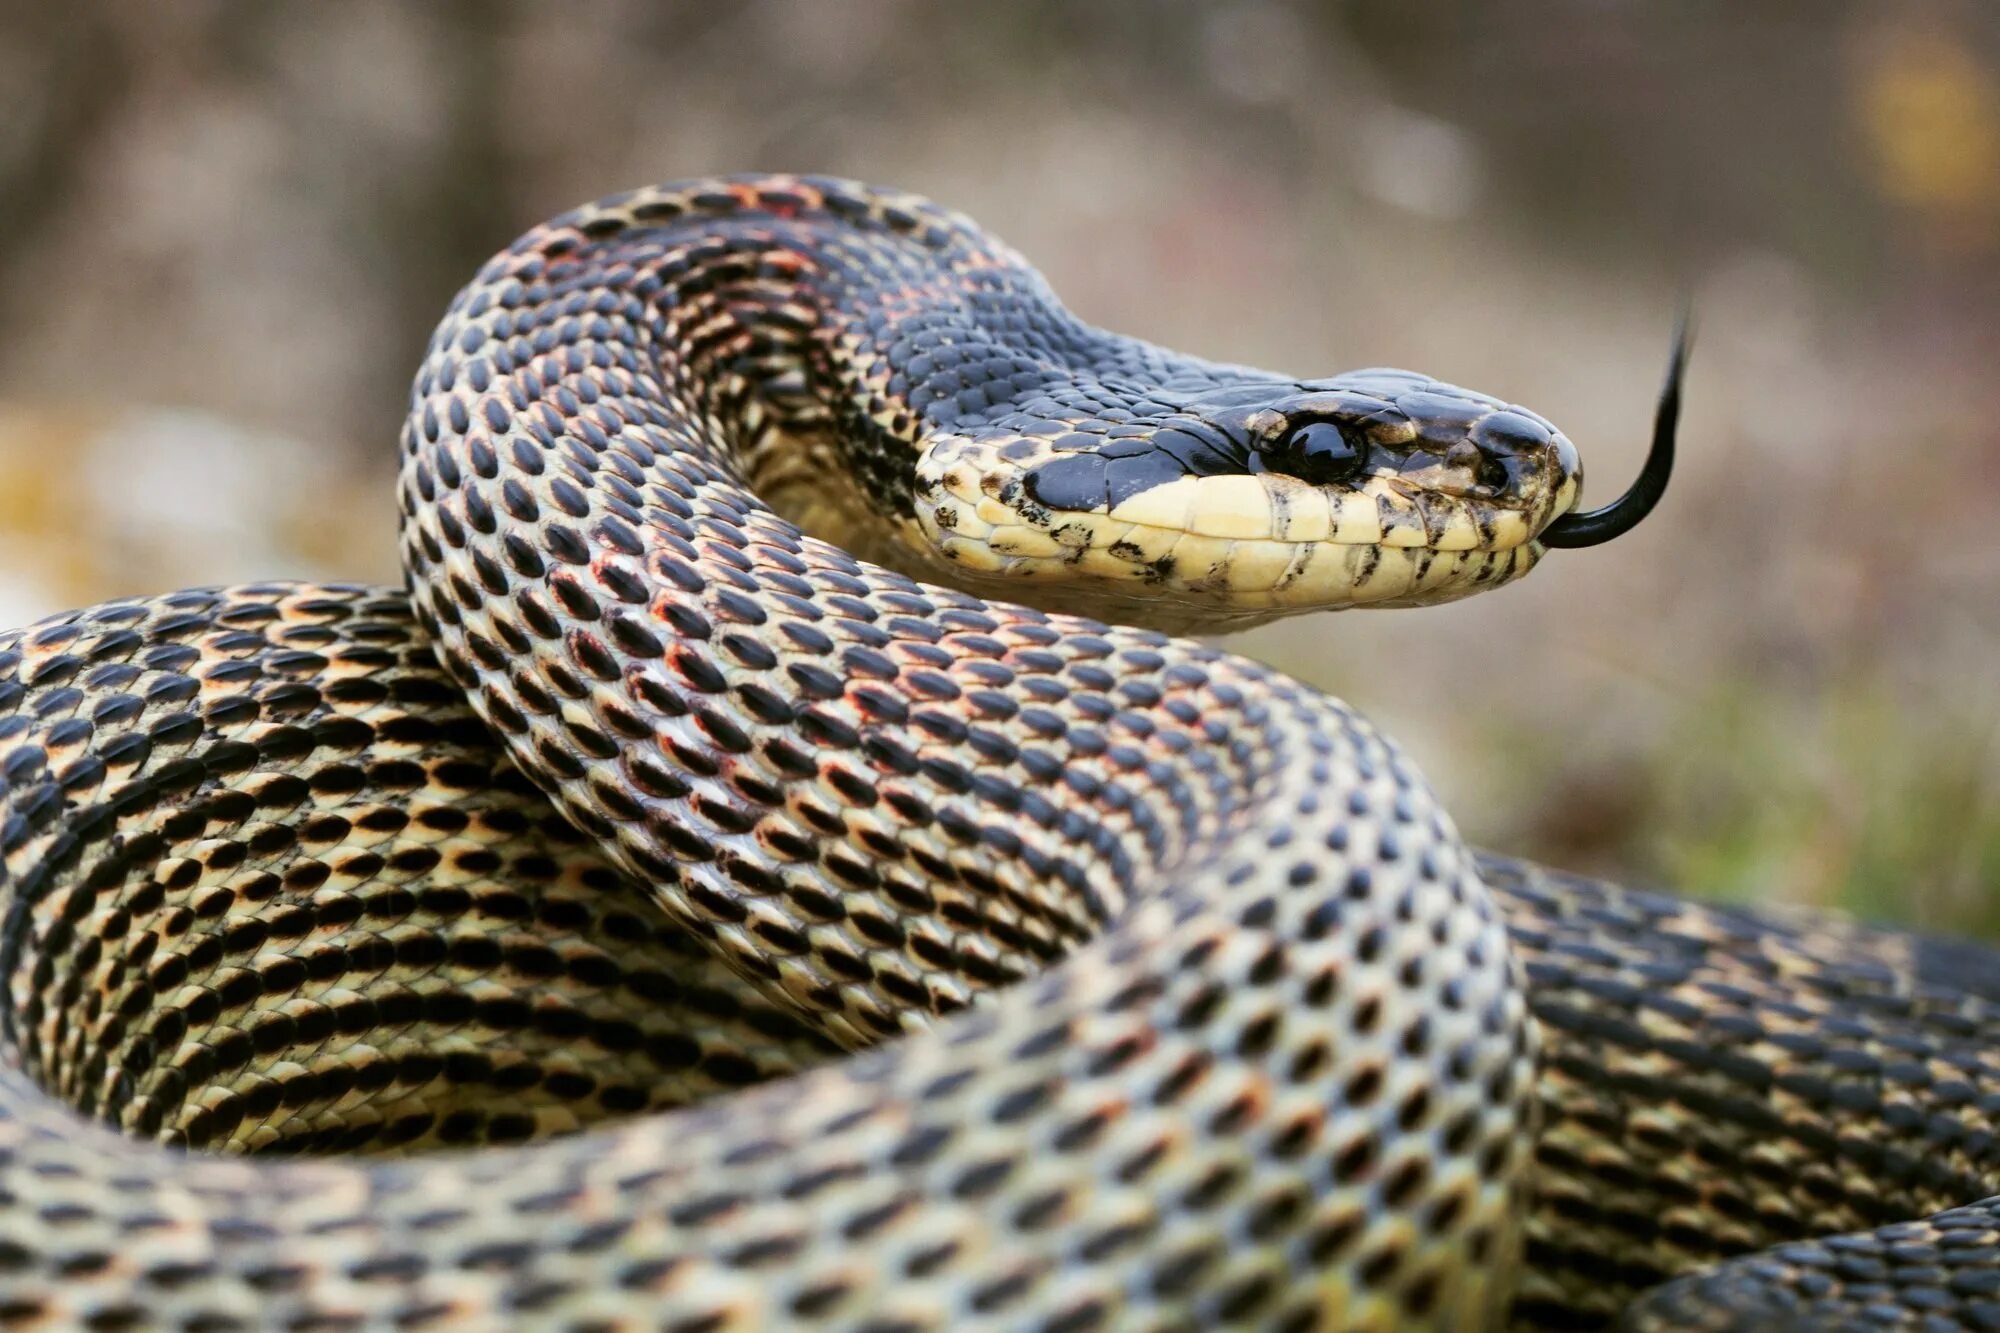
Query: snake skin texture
{"type": "Point", "coordinates": [660, 917]}
{"type": "Point", "coordinates": [1719, 1082]}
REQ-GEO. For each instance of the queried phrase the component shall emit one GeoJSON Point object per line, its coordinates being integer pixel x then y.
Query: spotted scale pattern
{"type": "Point", "coordinates": [1715, 1081]}
{"type": "Point", "coordinates": [1722, 1083]}
{"type": "Point", "coordinates": [1931, 1276]}
{"type": "Point", "coordinates": [1272, 1067]}
{"type": "Point", "coordinates": [1261, 1058]}
{"type": "Point", "coordinates": [298, 840]}
{"type": "Point", "coordinates": [1291, 1099]}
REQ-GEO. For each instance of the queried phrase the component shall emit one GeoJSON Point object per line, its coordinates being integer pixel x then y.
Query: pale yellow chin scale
{"type": "Point", "coordinates": [1279, 508]}
{"type": "Point", "coordinates": [1228, 551]}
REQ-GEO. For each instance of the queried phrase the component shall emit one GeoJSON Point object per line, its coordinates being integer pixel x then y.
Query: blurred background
{"type": "Point", "coordinates": [226, 229]}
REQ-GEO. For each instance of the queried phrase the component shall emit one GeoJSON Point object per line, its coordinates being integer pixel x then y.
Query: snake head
{"type": "Point", "coordinates": [1230, 498]}
{"type": "Point", "coordinates": [1239, 501]}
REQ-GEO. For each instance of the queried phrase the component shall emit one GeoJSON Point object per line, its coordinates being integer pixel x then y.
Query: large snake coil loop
{"type": "Point", "coordinates": [1088, 978]}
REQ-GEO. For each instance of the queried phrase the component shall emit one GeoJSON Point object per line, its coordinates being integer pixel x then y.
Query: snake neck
{"type": "Point", "coordinates": [800, 340]}
{"type": "Point", "coordinates": [826, 351]}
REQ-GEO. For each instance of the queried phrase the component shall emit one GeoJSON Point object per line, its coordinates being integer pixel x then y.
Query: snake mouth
{"type": "Point", "coordinates": [1379, 487]}
{"type": "Point", "coordinates": [1179, 514]}
{"type": "Point", "coordinates": [1229, 551]}
{"type": "Point", "coordinates": [1389, 509]}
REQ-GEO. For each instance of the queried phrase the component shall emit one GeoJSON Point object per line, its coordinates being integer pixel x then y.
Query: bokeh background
{"type": "Point", "coordinates": [226, 228]}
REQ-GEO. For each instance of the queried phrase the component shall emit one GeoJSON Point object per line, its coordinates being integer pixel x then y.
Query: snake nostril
{"type": "Point", "coordinates": [1320, 452]}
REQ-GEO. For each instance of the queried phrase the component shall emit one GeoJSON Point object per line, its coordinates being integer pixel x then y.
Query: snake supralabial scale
{"type": "Point", "coordinates": [282, 876]}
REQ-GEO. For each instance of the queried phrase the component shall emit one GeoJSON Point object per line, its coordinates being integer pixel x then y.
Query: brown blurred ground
{"type": "Point", "coordinates": [225, 230]}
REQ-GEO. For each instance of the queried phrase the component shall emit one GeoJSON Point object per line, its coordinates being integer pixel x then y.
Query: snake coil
{"type": "Point", "coordinates": [1183, 1005]}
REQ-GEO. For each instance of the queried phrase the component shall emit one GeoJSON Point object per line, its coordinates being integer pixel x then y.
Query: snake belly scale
{"type": "Point", "coordinates": [1116, 981]}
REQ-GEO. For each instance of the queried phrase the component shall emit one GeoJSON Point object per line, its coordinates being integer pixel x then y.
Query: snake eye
{"type": "Point", "coordinates": [1319, 452]}
{"type": "Point", "coordinates": [1491, 473]}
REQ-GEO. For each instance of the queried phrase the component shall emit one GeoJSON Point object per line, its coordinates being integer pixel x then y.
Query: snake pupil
{"type": "Point", "coordinates": [1320, 452]}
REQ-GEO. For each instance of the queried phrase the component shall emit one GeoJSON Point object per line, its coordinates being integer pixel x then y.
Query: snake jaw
{"type": "Point", "coordinates": [1260, 499]}
{"type": "Point", "coordinates": [1216, 553]}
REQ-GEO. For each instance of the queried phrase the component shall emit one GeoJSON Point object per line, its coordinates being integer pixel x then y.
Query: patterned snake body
{"type": "Point", "coordinates": [1263, 1057]}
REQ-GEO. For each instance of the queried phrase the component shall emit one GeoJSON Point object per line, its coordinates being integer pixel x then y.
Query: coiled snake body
{"type": "Point", "coordinates": [282, 874]}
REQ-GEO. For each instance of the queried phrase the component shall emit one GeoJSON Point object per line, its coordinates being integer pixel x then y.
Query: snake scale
{"type": "Point", "coordinates": [903, 958]}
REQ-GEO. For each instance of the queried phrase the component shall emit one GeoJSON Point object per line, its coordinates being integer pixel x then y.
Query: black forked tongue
{"type": "Point", "coordinates": [1623, 514]}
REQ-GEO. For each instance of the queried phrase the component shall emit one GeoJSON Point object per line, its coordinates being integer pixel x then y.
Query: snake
{"type": "Point", "coordinates": [772, 866]}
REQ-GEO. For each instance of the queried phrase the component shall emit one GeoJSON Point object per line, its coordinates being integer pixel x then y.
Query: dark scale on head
{"type": "Point", "coordinates": [1328, 433]}
{"type": "Point", "coordinates": [1124, 466]}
